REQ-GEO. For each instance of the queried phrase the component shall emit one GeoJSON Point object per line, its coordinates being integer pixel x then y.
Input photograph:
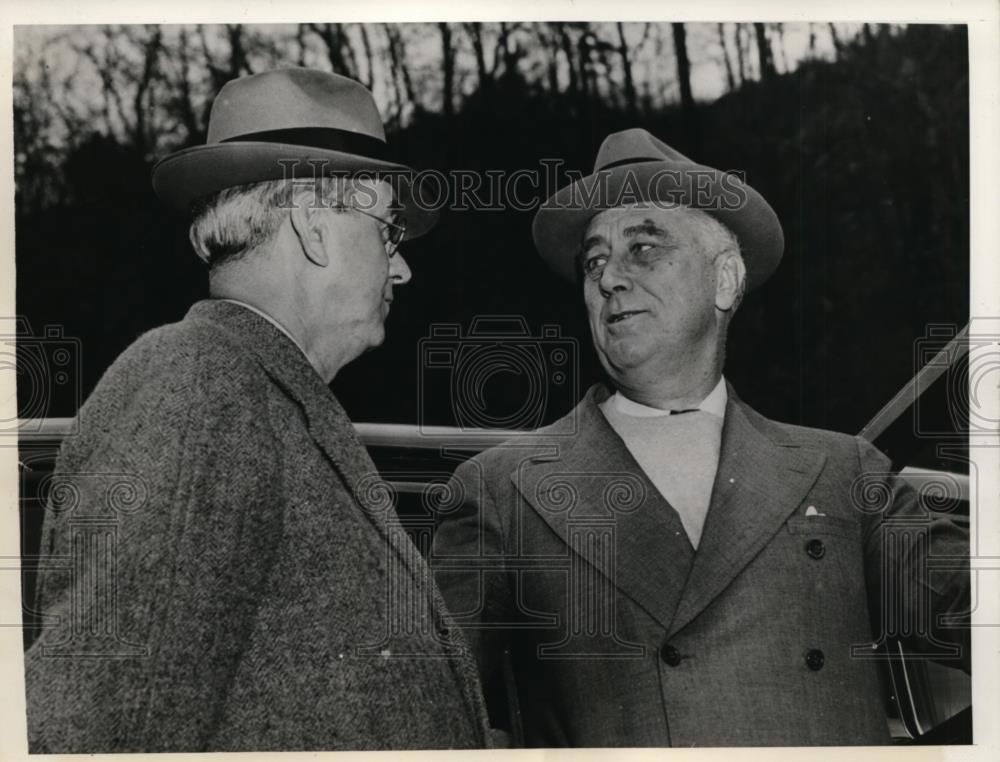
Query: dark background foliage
{"type": "Point", "coordinates": [863, 154]}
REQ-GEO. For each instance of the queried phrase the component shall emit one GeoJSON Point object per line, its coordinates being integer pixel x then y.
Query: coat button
{"type": "Point", "coordinates": [815, 549]}
{"type": "Point", "coordinates": [815, 659]}
{"type": "Point", "coordinates": [670, 655]}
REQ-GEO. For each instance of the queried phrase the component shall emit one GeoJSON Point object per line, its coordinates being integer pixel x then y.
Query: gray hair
{"type": "Point", "coordinates": [716, 240]}
{"type": "Point", "coordinates": [236, 221]}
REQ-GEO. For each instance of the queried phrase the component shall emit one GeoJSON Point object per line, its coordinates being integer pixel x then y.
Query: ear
{"type": "Point", "coordinates": [730, 277]}
{"type": "Point", "coordinates": [200, 250]}
{"type": "Point", "coordinates": [309, 232]}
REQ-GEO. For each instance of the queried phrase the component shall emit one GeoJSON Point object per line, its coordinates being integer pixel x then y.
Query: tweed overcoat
{"type": "Point", "coordinates": [621, 634]}
{"type": "Point", "coordinates": [249, 590]}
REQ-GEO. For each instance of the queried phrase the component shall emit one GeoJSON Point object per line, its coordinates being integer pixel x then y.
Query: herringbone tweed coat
{"type": "Point", "coordinates": [248, 590]}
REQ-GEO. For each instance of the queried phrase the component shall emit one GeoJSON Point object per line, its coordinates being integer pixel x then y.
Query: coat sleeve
{"type": "Point", "coordinates": [190, 557]}
{"type": "Point", "coordinates": [468, 560]}
{"type": "Point", "coordinates": [916, 564]}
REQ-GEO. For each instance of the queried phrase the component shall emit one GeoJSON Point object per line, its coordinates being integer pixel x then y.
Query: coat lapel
{"type": "Point", "coordinates": [760, 481]}
{"type": "Point", "coordinates": [590, 486]}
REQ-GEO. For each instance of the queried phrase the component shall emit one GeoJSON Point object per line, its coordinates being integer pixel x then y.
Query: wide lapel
{"type": "Point", "coordinates": [590, 487]}
{"type": "Point", "coordinates": [760, 481]}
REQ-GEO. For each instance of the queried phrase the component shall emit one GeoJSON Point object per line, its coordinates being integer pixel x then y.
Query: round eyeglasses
{"type": "Point", "coordinates": [393, 231]}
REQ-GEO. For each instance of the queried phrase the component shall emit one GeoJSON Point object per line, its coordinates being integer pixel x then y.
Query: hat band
{"type": "Point", "coordinates": [327, 138]}
{"type": "Point", "coordinates": [630, 160]}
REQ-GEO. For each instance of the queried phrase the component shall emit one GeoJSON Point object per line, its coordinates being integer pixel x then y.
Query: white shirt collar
{"type": "Point", "coordinates": [266, 317]}
{"type": "Point", "coordinates": [714, 403]}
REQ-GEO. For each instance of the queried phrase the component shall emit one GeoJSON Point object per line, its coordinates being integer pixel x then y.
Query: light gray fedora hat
{"type": "Point", "coordinates": [634, 166]}
{"type": "Point", "coordinates": [271, 125]}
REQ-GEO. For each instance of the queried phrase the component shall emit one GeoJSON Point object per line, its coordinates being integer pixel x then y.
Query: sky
{"type": "Point", "coordinates": [79, 83]}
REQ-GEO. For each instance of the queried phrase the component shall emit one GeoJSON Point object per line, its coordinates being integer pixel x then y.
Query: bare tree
{"type": "Point", "coordinates": [36, 160]}
{"type": "Point", "coordinates": [127, 64]}
{"type": "Point", "coordinates": [339, 50]}
{"type": "Point", "coordinates": [399, 70]}
{"type": "Point", "coordinates": [764, 56]}
{"type": "Point", "coordinates": [730, 81]}
{"type": "Point", "coordinates": [741, 52]}
{"type": "Point", "coordinates": [142, 99]}
{"type": "Point", "coordinates": [683, 66]}
{"type": "Point", "coordinates": [602, 67]}
{"type": "Point", "coordinates": [300, 38]}
{"type": "Point", "coordinates": [182, 103]}
{"type": "Point", "coordinates": [551, 47]}
{"type": "Point", "coordinates": [838, 46]}
{"type": "Point", "coordinates": [106, 60]}
{"type": "Point", "coordinates": [585, 47]}
{"type": "Point", "coordinates": [510, 51]}
{"type": "Point", "coordinates": [369, 58]}
{"type": "Point", "coordinates": [474, 30]}
{"type": "Point", "coordinates": [567, 49]}
{"type": "Point", "coordinates": [448, 61]}
{"type": "Point", "coordinates": [238, 63]}
{"type": "Point", "coordinates": [630, 101]}
{"type": "Point", "coordinates": [688, 112]}
{"type": "Point", "coordinates": [779, 36]}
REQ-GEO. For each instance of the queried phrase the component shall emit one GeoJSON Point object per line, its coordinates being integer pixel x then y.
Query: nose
{"type": "Point", "coordinates": [399, 271]}
{"type": "Point", "coordinates": [614, 278]}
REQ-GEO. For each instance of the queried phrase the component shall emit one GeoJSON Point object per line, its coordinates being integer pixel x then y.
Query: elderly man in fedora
{"type": "Point", "coordinates": [665, 566]}
{"type": "Point", "coordinates": [254, 597]}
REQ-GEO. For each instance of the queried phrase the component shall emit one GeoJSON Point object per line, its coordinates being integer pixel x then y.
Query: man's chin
{"type": "Point", "coordinates": [622, 356]}
{"type": "Point", "coordinates": [377, 339]}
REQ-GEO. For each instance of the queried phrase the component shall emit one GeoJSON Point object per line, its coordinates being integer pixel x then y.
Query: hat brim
{"type": "Point", "coordinates": [188, 176]}
{"type": "Point", "coordinates": [561, 222]}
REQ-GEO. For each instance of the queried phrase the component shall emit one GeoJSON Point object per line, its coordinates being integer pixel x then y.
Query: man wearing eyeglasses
{"type": "Point", "coordinates": [255, 598]}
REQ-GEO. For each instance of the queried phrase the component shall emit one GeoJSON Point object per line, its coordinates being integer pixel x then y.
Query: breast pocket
{"type": "Point", "coordinates": [830, 551]}
{"type": "Point", "coordinates": [822, 525]}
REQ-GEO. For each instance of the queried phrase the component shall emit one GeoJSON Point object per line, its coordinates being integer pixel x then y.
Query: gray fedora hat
{"type": "Point", "coordinates": [633, 166]}
{"type": "Point", "coordinates": [286, 123]}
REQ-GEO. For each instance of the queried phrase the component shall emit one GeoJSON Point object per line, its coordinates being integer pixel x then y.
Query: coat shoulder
{"type": "Point", "coordinates": [836, 445]}
{"type": "Point", "coordinates": [186, 346]}
{"type": "Point", "coordinates": [169, 379]}
{"type": "Point", "coordinates": [501, 460]}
